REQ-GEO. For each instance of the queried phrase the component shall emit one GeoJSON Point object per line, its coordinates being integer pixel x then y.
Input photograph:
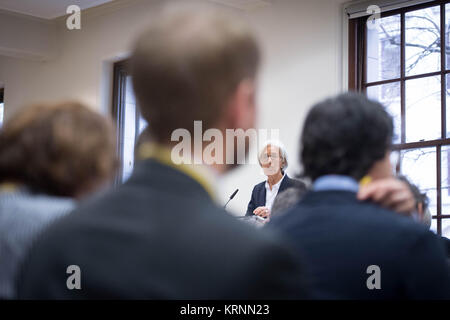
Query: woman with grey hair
{"type": "Point", "coordinates": [273, 161]}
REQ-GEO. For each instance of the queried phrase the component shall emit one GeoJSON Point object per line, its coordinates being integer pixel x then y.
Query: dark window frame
{"type": "Point", "coordinates": [357, 54]}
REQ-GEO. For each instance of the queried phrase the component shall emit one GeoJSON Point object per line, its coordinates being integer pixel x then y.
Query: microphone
{"type": "Point", "coordinates": [231, 198]}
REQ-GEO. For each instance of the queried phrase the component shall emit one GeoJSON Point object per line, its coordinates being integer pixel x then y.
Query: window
{"type": "Point", "coordinates": [128, 119]}
{"type": "Point", "coordinates": [2, 106]}
{"type": "Point", "coordinates": [405, 64]}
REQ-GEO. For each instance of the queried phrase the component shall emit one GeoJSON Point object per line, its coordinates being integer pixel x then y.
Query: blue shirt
{"type": "Point", "coordinates": [335, 182]}
{"type": "Point", "coordinates": [344, 183]}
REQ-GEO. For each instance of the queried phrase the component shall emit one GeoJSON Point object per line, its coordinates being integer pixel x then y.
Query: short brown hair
{"type": "Point", "coordinates": [186, 66]}
{"type": "Point", "coordinates": [60, 149]}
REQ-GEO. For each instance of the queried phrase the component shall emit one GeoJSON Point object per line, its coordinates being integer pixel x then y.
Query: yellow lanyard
{"type": "Point", "coordinates": [8, 187]}
{"type": "Point", "coordinates": [365, 180]}
{"type": "Point", "coordinates": [162, 154]}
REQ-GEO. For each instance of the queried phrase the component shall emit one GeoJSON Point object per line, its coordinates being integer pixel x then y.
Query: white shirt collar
{"type": "Point", "coordinates": [271, 194]}
{"type": "Point", "coordinates": [275, 186]}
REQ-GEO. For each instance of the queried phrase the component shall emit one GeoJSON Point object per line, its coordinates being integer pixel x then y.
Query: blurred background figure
{"type": "Point", "coordinates": [50, 156]}
{"type": "Point", "coordinates": [422, 213]}
{"type": "Point", "coordinates": [286, 200]}
{"type": "Point", "coordinates": [345, 141]}
{"type": "Point", "coordinates": [273, 161]}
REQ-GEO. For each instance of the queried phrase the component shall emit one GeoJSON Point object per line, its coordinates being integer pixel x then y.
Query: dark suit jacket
{"type": "Point", "coordinates": [340, 237]}
{"type": "Point", "coordinates": [446, 242]}
{"type": "Point", "coordinates": [259, 192]}
{"type": "Point", "coordinates": [159, 236]}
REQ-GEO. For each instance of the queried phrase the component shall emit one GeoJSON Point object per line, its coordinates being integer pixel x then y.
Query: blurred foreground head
{"type": "Point", "coordinates": [62, 149]}
{"type": "Point", "coordinates": [195, 64]}
{"type": "Point", "coordinates": [347, 135]}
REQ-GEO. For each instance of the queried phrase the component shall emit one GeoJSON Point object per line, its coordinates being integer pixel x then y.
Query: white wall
{"type": "Point", "coordinates": [302, 42]}
{"type": "Point", "coordinates": [27, 37]}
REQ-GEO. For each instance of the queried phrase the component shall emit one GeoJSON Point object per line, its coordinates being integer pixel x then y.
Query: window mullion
{"type": "Point", "coordinates": [438, 189]}
{"type": "Point", "coordinates": [443, 75]}
{"type": "Point", "coordinates": [402, 76]}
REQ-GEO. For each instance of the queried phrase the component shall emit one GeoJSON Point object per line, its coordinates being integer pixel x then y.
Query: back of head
{"type": "Point", "coordinates": [186, 65]}
{"type": "Point", "coordinates": [345, 135]}
{"type": "Point", "coordinates": [63, 149]}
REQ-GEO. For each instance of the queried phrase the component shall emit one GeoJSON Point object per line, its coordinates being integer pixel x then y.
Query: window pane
{"type": "Point", "coordinates": [419, 166]}
{"type": "Point", "coordinates": [383, 50]}
{"type": "Point", "coordinates": [129, 130]}
{"type": "Point", "coordinates": [1, 114]}
{"type": "Point", "coordinates": [445, 179]}
{"type": "Point", "coordinates": [448, 105]}
{"type": "Point", "coordinates": [446, 227]}
{"type": "Point", "coordinates": [422, 39]}
{"type": "Point", "coordinates": [389, 96]}
{"type": "Point", "coordinates": [433, 225]}
{"type": "Point", "coordinates": [447, 33]}
{"type": "Point", "coordinates": [423, 109]}
{"type": "Point", "coordinates": [395, 162]}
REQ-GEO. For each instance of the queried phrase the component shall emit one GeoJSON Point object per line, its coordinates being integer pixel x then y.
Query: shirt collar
{"type": "Point", "coordinates": [335, 182]}
{"type": "Point", "coordinates": [276, 186]}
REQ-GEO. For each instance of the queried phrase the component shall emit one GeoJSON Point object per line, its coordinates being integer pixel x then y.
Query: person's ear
{"type": "Point", "coordinates": [241, 111]}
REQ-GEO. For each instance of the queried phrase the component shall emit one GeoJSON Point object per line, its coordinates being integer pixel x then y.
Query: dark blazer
{"type": "Point", "coordinates": [446, 242]}
{"type": "Point", "coordinates": [259, 192]}
{"type": "Point", "coordinates": [159, 236]}
{"type": "Point", "coordinates": [340, 237]}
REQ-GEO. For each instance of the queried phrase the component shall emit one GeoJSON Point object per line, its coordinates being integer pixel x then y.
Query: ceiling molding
{"type": "Point", "coordinates": [245, 5]}
{"type": "Point", "coordinates": [25, 16]}
{"type": "Point", "coordinates": [104, 9]}
{"type": "Point", "coordinates": [48, 9]}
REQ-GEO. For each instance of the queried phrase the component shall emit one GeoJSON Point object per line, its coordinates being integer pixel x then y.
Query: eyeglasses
{"type": "Point", "coordinates": [265, 157]}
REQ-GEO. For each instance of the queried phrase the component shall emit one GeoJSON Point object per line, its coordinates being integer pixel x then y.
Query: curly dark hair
{"type": "Point", "coordinates": [345, 135]}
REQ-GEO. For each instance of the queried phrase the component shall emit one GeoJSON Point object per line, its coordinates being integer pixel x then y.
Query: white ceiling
{"type": "Point", "coordinates": [254, 4]}
{"type": "Point", "coordinates": [47, 9]}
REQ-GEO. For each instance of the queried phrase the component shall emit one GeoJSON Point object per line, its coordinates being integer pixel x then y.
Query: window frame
{"type": "Point", "coordinates": [120, 73]}
{"type": "Point", "coordinates": [357, 74]}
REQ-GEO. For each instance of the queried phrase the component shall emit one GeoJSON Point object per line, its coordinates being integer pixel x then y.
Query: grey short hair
{"type": "Point", "coordinates": [283, 153]}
